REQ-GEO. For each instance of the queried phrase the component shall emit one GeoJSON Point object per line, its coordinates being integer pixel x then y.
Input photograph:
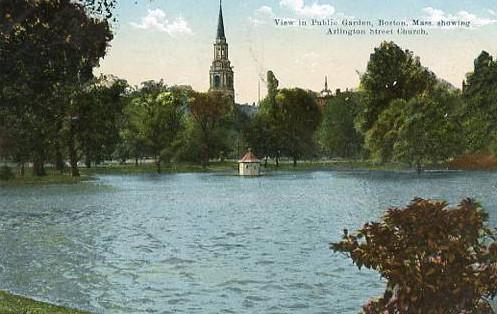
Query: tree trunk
{"type": "Point", "coordinates": [158, 162]}
{"type": "Point", "coordinates": [294, 161]}
{"type": "Point", "coordinates": [87, 159]}
{"type": "Point", "coordinates": [39, 167]}
{"type": "Point", "coordinates": [205, 155]}
{"type": "Point", "coordinates": [136, 162]}
{"type": "Point", "coordinates": [419, 168]}
{"type": "Point", "coordinates": [265, 162]}
{"type": "Point", "coordinates": [22, 168]}
{"type": "Point", "coordinates": [59, 161]}
{"type": "Point", "coordinates": [73, 155]}
{"type": "Point", "coordinates": [277, 159]}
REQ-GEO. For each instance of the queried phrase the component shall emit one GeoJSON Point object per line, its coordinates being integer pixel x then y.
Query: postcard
{"type": "Point", "coordinates": [266, 156]}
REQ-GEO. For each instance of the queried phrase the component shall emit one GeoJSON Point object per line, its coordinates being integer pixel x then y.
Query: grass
{"type": "Point", "coordinates": [50, 178]}
{"type": "Point", "coordinates": [217, 166]}
{"type": "Point", "coordinates": [337, 165]}
{"type": "Point", "coordinates": [13, 304]}
{"type": "Point", "coordinates": [151, 168]}
{"type": "Point", "coordinates": [88, 174]}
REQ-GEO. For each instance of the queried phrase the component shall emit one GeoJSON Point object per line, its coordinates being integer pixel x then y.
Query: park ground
{"type": "Point", "coordinates": [485, 163]}
{"type": "Point", "coordinates": [13, 304]}
{"type": "Point", "coordinates": [90, 174]}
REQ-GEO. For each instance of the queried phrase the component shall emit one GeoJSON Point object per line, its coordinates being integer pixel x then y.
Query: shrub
{"type": "Point", "coordinates": [475, 161]}
{"type": "Point", "coordinates": [435, 259]}
{"type": "Point", "coordinates": [6, 173]}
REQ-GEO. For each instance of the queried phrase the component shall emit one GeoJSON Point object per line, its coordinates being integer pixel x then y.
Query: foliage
{"type": "Point", "coordinates": [337, 134]}
{"type": "Point", "coordinates": [392, 73]}
{"type": "Point", "coordinates": [298, 118]}
{"type": "Point", "coordinates": [156, 118]}
{"type": "Point", "coordinates": [428, 131]}
{"type": "Point", "coordinates": [99, 111]}
{"type": "Point", "coordinates": [208, 111]}
{"type": "Point", "coordinates": [264, 132]}
{"type": "Point", "coordinates": [435, 259]}
{"type": "Point", "coordinates": [48, 50]}
{"type": "Point", "coordinates": [6, 173]}
{"type": "Point", "coordinates": [422, 130]}
{"type": "Point", "coordinates": [479, 115]}
{"type": "Point", "coordinates": [381, 138]}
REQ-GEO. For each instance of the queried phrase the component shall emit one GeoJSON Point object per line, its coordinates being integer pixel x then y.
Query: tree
{"type": "Point", "coordinates": [100, 113]}
{"type": "Point", "coordinates": [392, 73]}
{"type": "Point", "coordinates": [422, 130]}
{"type": "Point", "coordinates": [264, 134]}
{"type": "Point", "coordinates": [436, 259]}
{"type": "Point", "coordinates": [381, 138]}
{"type": "Point", "coordinates": [428, 131]}
{"type": "Point", "coordinates": [479, 113]}
{"type": "Point", "coordinates": [258, 134]}
{"type": "Point", "coordinates": [337, 134]}
{"type": "Point", "coordinates": [207, 112]}
{"type": "Point", "coordinates": [48, 50]}
{"type": "Point", "coordinates": [297, 119]}
{"type": "Point", "coordinates": [159, 118]}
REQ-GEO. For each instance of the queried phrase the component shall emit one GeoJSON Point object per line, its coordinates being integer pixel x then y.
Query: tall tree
{"type": "Point", "coordinates": [160, 117]}
{"type": "Point", "coordinates": [392, 73]}
{"type": "Point", "coordinates": [100, 114]}
{"type": "Point", "coordinates": [423, 130]}
{"type": "Point", "coordinates": [298, 117]}
{"type": "Point", "coordinates": [264, 134]}
{"type": "Point", "coordinates": [479, 114]}
{"type": "Point", "coordinates": [207, 111]}
{"type": "Point", "coordinates": [337, 134]}
{"type": "Point", "coordinates": [45, 47]}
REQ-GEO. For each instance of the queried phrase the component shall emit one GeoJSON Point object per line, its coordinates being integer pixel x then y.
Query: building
{"type": "Point", "coordinates": [221, 72]}
{"type": "Point", "coordinates": [325, 94]}
{"type": "Point", "coordinates": [249, 165]}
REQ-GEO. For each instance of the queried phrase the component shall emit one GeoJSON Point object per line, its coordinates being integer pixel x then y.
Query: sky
{"type": "Point", "coordinates": [173, 40]}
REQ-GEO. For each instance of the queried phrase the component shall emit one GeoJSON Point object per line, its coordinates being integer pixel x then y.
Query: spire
{"type": "Point", "coordinates": [220, 24]}
{"type": "Point", "coordinates": [326, 82]}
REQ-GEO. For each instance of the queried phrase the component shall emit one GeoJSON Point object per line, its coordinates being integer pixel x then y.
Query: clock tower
{"type": "Point", "coordinates": [221, 73]}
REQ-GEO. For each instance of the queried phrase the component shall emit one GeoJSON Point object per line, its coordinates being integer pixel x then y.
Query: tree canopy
{"type": "Point", "coordinates": [392, 73]}
{"type": "Point", "coordinates": [436, 259]}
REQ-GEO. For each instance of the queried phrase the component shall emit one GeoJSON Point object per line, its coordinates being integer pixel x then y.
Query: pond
{"type": "Point", "coordinates": [207, 243]}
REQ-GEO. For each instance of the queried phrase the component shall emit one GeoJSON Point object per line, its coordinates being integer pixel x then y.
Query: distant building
{"type": "Point", "coordinates": [249, 165]}
{"type": "Point", "coordinates": [221, 72]}
{"type": "Point", "coordinates": [248, 110]}
{"type": "Point", "coordinates": [325, 94]}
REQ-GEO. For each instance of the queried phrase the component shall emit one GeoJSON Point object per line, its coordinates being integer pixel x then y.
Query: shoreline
{"type": "Point", "coordinates": [90, 174]}
{"type": "Point", "coordinates": [13, 304]}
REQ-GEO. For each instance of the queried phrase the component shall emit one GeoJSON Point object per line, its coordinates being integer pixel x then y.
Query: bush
{"type": "Point", "coordinates": [435, 259]}
{"type": "Point", "coordinates": [475, 161]}
{"type": "Point", "coordinates": [6, 173]}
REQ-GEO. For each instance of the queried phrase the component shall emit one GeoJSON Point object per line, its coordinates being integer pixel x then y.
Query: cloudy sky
{"type": "Point", "coordinates": [172, 39]}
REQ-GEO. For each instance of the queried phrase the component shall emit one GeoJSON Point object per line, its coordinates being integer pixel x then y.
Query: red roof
{"type": "Point", "coordinates": [249, 157]}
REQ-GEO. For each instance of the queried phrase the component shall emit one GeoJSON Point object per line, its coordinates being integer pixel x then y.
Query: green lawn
{"type": "Point", "coordinates": [29, 179]}
{"type": "Point", "coordinates": [150, 168]}
{"type": "Point", "coordinates": [285, 165]}
{"type": "Point", "coordinates": [12, 304]}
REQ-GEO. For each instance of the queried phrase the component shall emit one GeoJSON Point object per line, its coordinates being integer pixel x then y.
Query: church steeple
{"type": "Point", "coordinates": [220, 23]}
{"type": "Point", "coordinates": [221, 73]}
{"type": "Point", "coordinates": [326, 92]}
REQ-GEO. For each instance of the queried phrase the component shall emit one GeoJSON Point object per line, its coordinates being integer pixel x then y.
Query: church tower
{"type": "Point", "coordinates": [221, 73]}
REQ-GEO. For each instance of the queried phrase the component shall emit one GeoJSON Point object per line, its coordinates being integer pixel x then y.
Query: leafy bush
{"type": "Point", "coordinates": [435, 259]}
{"type": "Point", "coordinates": [6, 173]}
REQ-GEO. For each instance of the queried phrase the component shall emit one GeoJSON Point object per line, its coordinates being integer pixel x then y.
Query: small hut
{"type": "Point", "coordinates": [249, 165]}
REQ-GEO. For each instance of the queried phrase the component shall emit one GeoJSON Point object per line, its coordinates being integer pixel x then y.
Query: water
{"type": "Point", "coordinates": [207, 243]}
